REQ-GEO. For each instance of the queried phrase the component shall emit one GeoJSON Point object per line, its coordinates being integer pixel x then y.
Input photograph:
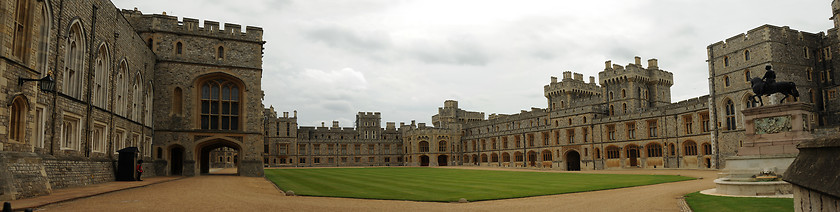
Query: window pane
{"type": "Point", "coordinates": [226, 108]}
{"type": "Point", "coordinates": [205, 92]}
{"type": "Point", "coordinates": [225, 122]}
{"type": "Point", "coordinates": [214, 92]}
{"type": "Point", "coordinates": [214, 107]}
{"type": "Point", "coordinates": [226, 93]}
{"type": "Point", "coordinates": [235, 93]}
{"type": "Point", "coordinates": [234, 123]}
{"type": "Point", "coordinates": [205, 107]}
{"type": "Point", "coordinates": [214, 122]}
{"type": "Point", "coordinates": [234, 108]}
{"type": "Point", "coordinates": [205, 122]}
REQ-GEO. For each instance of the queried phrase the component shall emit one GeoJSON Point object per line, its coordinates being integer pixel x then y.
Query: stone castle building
{"type": "Point", "coordinates": [173, 89]}
{"type": "Point", "coordinates": [188, 96]}
{"type": "Point", "coordinates": [624, 120]}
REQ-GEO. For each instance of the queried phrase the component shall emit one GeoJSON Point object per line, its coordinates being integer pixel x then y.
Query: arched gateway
{"type": "Point", "coordinates": [205, 147]}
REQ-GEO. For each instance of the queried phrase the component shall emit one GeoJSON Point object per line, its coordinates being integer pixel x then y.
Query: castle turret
{"type": "Point", "coordinates": [570, 90]}
{"type": "Point", "coordinates": [633, 87]}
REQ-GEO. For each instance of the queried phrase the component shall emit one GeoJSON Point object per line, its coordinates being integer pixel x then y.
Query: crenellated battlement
{"type": "Point", "coordinates": [614, 73]}
{"type": "Point", "coordinates": [167, 23]}
{"type": "Point", "coordinates": [760, 34]}
{"type": "Point", "coordinates": [571, 85]}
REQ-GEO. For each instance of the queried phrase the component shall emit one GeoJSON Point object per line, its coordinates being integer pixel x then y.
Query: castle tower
{"type": "Point", "coordinates": [368, 124]}
{"type": "Point", "coordinates": [570, 92]}
{"type": "Point", "coordinates": [632, 88]}
{"type": "Point", "coordinates": [215, 75]}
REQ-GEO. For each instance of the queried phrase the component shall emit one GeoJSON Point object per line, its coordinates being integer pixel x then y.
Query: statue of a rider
{"type": "Point", "coordinates": [769, 78]}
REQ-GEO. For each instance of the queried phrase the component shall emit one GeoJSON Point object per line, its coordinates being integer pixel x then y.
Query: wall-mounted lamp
{"type": "Point", "coordinates": [46, 84]}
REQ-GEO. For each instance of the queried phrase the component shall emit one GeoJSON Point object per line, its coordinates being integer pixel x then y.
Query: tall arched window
{"type": "Point", "coordinates": [623, 93]}
{"type": "Point", "coordinates": [120, 83]}
{"type": "Point", "coordinates": [424, 146]}
{"type": "Point", "coordinates": [137, 98]}
{"type": "Point", "coordinates": [177, 101]}
{"type": "Point", "coordinates": [17, 119]}
{"type": "Point", "coordinates": [74, 61]}
{"type": "Point", "coordinates": [101, 71]}
{"type": "Point", "coordinates": [44, 40]}
{"type": "Point", "coordinates": [747, 55]}
{"type": "Point", "coordinates": [147, 104]}
{"type": "Point", "coordinates": [21, 39]}
{"type": "Point", "coordinates": [729, 107]}
{"type": "Point", "coordinates": [690, 148]}
{"type": "Point", "coordinates": [726, 61]}
{"type": "Point", "coordinates": [442, 146]}
{"type": "Point", "coordinates": [612, 110]}
{"type": "Point", "coordinates": [220, 101]}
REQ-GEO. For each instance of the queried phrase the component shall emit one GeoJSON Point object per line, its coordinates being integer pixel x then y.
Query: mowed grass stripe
{"type": "Point", "coordinates": [445, 185]}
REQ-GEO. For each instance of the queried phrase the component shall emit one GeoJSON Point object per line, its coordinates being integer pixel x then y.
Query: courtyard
{"type": "Point", "coordinates": [447, 185]}
{"type": "Point", "coordinates": [233, 193]}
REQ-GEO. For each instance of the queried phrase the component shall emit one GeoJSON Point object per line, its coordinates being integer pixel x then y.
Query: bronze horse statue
{"type": "Point", "coordinates": [759, 88]}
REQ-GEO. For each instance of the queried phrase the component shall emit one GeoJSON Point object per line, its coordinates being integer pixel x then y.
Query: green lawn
{"type": "Point", "coordinates": [447, 185]}
{"type": "Point", "coordinates": [701, 202]}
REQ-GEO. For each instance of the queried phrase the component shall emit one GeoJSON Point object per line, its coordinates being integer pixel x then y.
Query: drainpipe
{"type": "Point", "coordinates": [55, 94]}
{"type": "Point", "coordinates": [89, 122]}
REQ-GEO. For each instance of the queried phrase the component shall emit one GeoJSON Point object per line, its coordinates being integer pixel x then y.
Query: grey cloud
{"type": "Point", "coordinates": [348, 39]}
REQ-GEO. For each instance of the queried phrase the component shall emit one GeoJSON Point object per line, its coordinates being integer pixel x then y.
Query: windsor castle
{"type": "Point", "coordinates": [188, 97]}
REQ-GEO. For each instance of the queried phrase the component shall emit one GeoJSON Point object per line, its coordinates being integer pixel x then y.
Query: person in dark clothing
{"type": "Point", "coordinates": [139, 169]}
{"type": "Point", "coordinates": [769, 77]}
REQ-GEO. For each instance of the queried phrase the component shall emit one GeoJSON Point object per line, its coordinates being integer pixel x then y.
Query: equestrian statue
{"type": "Point", "coordinates": [767, 85]}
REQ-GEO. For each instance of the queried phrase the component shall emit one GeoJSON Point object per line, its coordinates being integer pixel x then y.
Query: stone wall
{"type": "Point", "coordinates": [71, 172]}
{"type": "Point", "coordinates": [31, 174]}
{"type": "Point", "coordinates": [25, 177]}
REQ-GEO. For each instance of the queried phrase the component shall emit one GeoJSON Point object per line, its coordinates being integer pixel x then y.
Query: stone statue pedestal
{"type": "Point", "coordinates": [769, 147]}
{"type": "Point", "coordinates": [776, 129]}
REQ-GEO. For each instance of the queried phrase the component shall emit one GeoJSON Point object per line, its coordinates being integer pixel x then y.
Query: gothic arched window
{"type": "Point", "coordinates": [220, 104]}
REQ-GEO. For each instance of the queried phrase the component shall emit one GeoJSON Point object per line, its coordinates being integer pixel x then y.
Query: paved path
{"type": "Point", "coordinates": [233, 193]}
{"type": "Point", "coordinates": [69, 194]}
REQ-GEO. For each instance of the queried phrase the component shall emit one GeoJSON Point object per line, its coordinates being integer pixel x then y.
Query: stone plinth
{"type": "Point", "coordinates": [776, 129]}
{"type": "Point", "coordinates": [769, 147]}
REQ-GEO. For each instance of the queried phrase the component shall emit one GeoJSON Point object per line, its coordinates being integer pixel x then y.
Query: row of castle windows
{"type": "Point", "coordinates": [179, 48]}
{"type": "Point", "coordinates": [343, 148]}
{"type": "Point", "coordinates": [825, 76]}
{"type": "Point", "coordinates": [654, 150]}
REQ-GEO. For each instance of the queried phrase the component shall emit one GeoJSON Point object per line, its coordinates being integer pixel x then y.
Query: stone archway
{"type": "Point", "coordinates": [176, 160]}
{"type": "Point", "coordinates": [442, 160]}
{"type": "Point", "coordinates": [424, 160]}
{"type": "Point", "coordinates": [572, 161]}
{"type": "Point", "coordinates": [203, 149]}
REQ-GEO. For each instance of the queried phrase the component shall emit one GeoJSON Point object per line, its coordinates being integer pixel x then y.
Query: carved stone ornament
{"type": "Point", "coordinates": [772, 125]}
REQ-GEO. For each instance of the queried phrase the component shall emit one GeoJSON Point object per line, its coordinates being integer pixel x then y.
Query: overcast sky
{"type": "Point", "coordinates": [329, 59]}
